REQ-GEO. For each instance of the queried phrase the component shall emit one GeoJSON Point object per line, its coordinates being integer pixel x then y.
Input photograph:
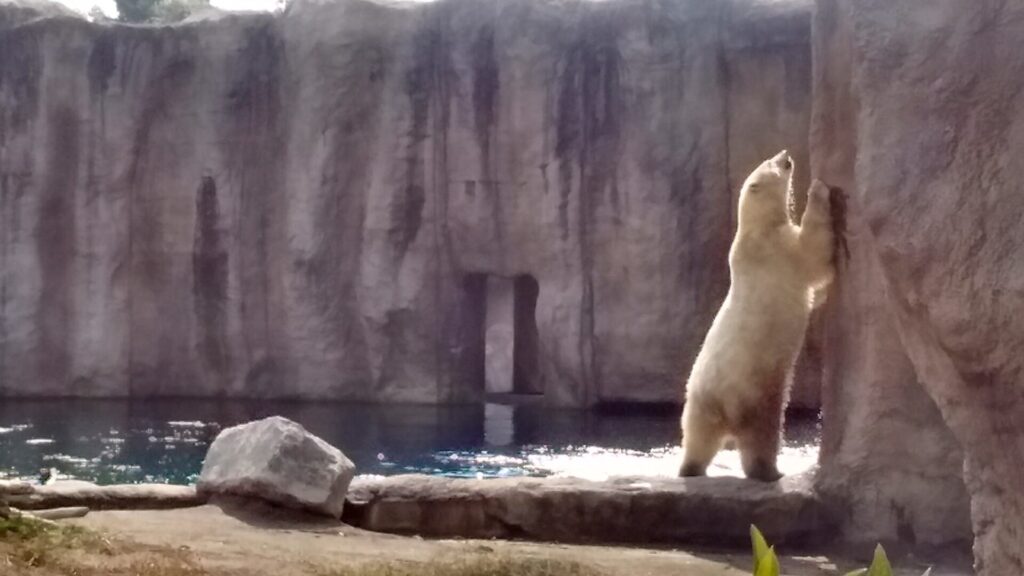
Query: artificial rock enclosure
{"type": "Point", "coordinates": [319, 204]}
{"type": "Point", "coordinates": [312, 205]}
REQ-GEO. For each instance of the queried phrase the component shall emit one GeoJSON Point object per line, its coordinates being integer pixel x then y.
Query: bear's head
{"type": "Point", "coordinates": [763, 199]}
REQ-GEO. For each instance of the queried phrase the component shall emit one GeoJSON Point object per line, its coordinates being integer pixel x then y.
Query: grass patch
{"type": "Point", "coordinates": [28, 543]}
{"type": "Point", "coordinates": [18, 528]}
{"type": "Point", "coordinates": [37, 548]}
{"type": "Point", "coordinates": [474, 565]}
{"type": "Point", "coordinates": [29, 531]}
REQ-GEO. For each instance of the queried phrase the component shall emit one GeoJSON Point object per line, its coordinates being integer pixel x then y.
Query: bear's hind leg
{"type": "Point", "coordinates": [760, 465]}
{"type": "Point", "coordinates": [759, 441]}
{"type": "Point", "coordinates": [702, 438]}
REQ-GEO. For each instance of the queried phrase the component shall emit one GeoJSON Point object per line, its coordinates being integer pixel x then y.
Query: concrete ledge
{"type": "Point", "coordinates": [621, 510]}
{"type": "Point", "coordinates": [14, 487]}
{"type": "Point", "coordinates": [116, 497]}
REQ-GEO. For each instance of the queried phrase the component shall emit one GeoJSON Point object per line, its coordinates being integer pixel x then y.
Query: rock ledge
{"type": "Point", "coordinates": [620, 510]}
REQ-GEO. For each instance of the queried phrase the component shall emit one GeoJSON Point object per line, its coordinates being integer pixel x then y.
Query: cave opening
{"type": "Point", "coordinates": [510, 337]}
{"type": "Point", "coordinates": [525, 347]}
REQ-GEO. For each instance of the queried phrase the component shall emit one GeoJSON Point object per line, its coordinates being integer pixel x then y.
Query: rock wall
{"type": "Point", "coordinates": [918, 114]}
{"type": "Point", "coordinates": [309, 205]}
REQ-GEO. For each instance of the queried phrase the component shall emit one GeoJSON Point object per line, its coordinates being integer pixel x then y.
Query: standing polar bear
{"type": "Point", "coordinates": [739, 385]}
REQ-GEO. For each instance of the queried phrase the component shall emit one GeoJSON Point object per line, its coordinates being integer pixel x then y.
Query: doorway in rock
{"type": "Point", "coordinates": [511, 338]}
{"type": "Point", "coordinates": [525, 348]}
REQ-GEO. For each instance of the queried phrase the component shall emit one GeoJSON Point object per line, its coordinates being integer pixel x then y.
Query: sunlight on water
{"type": "Point", "coordinates": [38, 441]}
{"type": "Point", "coordinates": [597, 463]}
{"type": "Point", "coordinates": [117, 441]}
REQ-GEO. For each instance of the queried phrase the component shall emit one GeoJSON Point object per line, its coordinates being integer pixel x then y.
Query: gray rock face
{"type": "Point", "coordinates": [917, 114]}
{"type": "Point", "coordinates": [889, 465]}
{"type": "Point", "coordinates": [277, 460]}
{"type": "Point", "coordinates": [311, 205]}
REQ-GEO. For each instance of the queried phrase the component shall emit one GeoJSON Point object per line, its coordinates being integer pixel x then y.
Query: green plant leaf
{"type": "Point", "coordinates": [768, 565]}
{"type": "Point", "coordinates": [880, 564]}
{"type": "Point", "coordinates": [760, 546]}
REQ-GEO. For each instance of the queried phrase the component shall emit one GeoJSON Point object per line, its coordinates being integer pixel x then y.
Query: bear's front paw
{"type": "Point", "coordinates": [819, 193]}
{"type": "Point", "coordinates": [837, 211]}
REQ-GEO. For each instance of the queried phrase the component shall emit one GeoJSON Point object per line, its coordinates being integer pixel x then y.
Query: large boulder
{"type": "Point", "coordinates": [279, 461]}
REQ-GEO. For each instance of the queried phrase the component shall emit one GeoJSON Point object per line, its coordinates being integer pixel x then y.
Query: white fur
{"type": "Point", "coordinates": [759, 330]}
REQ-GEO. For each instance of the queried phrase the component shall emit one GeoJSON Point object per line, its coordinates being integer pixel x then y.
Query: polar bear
{"type": "Point", "coordinates": [739, 385]}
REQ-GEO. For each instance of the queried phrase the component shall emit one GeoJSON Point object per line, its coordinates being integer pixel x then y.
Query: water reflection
{"type": "Point", "coordinates": [110, 441]}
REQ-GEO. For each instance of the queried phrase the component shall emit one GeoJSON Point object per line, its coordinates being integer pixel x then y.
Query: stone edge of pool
{"type": "Point", "coordinates": [620, 510]}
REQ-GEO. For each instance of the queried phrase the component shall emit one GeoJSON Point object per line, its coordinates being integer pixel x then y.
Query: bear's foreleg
{"type": "Point", "coordinates": [816, 243]}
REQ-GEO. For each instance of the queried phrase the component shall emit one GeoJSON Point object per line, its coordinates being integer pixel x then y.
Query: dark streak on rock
{"type": "Point", "coordinates": [590, 109]}
{"type": "Point", "coordinates": [150, 272]}
{"type": "Point", "coordinates": [398, 324]}
{"type": "Point", "coordinates": [567, 132]}
{"type": "Point", "coordinates": [486, 86]}
{"type": "Point", "coordinates": [55, 238]}
{"type": "Point", "coordinates": [407, 212]}
{"type": "Point", "coordinates": [435, 77]}
{"type": "Point", "coordinates": [5, 243]}
{"type": "Point", "coordinates": [20, 73]}
{"type": "Point", "coordinates": [331, 272]}
{"type": "Point", "coordinates": [210, 277]}
{"type": "Point", "coordinates": [102, 61]}
{"type": "Point", "coordinates": [264, 378]}
{"type": "Point", "coordinates": [407, 217]}
{"type": "Point", "coordinates": [256, 164]}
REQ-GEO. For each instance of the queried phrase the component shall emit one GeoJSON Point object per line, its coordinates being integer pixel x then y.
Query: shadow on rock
{"type": "Point", "coordinates": [260, 514]}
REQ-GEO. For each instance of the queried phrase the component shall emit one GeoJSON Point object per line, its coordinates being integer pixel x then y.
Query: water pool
{"type": "Point", "coordinates": [117, 441]}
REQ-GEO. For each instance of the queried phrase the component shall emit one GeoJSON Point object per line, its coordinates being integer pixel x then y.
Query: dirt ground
{"type": "Point", "coordinates": [254, 540]}
{"type": "Point", "coordinates": [263, 540]}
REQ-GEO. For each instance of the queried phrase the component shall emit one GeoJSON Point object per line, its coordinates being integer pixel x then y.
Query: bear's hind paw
{"type": "Point", "coordinates": [691, 469]}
